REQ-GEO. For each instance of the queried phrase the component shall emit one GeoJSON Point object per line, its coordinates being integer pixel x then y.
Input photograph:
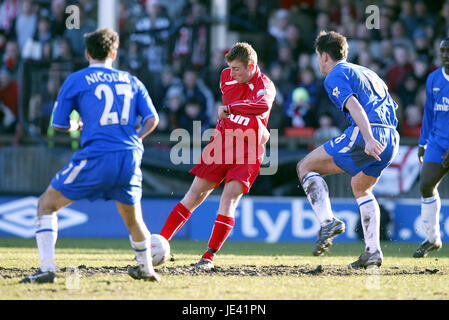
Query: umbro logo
{"type": "Point", "coordinates": [436, 89]}
{"type": "Point", "coordinates": [17, 217]}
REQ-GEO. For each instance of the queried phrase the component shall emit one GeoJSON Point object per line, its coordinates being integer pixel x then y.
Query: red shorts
{"type": "Point", "coordinates": [226, 159]}
{"type": "Point", "coordinates": [245, 173]}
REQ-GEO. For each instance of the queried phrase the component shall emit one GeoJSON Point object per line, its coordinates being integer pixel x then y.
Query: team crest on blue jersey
{"type": "Point", "coordinates": [335, 92]}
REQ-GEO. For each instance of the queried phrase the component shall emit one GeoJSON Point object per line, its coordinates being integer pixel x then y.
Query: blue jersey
{"type": "Point", "coordinates": [347, 79]}
{"type": "Point", "coordinates": [109, 102]}
{"type": "Point", "coordinates": [436, 111]}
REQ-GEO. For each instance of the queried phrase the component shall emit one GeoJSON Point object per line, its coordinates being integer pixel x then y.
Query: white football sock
{"type": "Point", "coordinates": [370, 218]}
{"type": "Point", "coordinates": [317, 193]}
{"type": "Point", "coordinates": [430, 215]}
{"type": "Point", "coordinates": [142, 251]}
{"type": "Point", "coordinates": [46, 235]}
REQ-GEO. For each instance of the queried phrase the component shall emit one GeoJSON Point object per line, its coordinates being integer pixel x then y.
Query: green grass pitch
{"type": "Point", "coordinates": [244, 271]}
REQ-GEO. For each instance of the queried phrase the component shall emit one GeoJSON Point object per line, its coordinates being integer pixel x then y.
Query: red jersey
{"type": "Point", "coordinates": [248, 104]}
{"type": "Point", "coordinates": [236, 150]}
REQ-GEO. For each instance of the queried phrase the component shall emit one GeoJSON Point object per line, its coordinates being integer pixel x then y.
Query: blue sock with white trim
{"type": "Point", "coordinates": [46, 235]}
{"type": "Point", "coordinates": [317, 193]}
{"type": "Point", "coordinates": [370, 216]}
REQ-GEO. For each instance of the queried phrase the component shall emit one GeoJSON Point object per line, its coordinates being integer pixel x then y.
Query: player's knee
{"type": "Point", "coordinates": [302, 168]}
{"type": "Point", "coordinates": [426, 188]}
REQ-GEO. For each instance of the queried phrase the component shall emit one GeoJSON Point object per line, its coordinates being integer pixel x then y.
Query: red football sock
{"type": "Point", "coordinates": [222, 227]}
{"type": "Point", "coordinates": [175, 221]}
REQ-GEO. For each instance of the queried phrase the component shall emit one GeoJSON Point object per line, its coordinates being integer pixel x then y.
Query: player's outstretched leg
{"type": "Point", "coordinates": [46, 235]}
{"type": "Point", "coordinates": [198, 192]}
{"type": "Point", "coordinates": [224, 223]}
{"type": "Point", "coordinates": [317, 193]}
{"type": "Point", "coordinates": [310, 171]}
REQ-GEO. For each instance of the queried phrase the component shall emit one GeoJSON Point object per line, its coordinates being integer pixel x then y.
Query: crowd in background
{"type": "Point", "coordinates": [166, 43]}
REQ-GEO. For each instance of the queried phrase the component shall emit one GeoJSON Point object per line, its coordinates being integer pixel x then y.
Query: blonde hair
{"type": "Point", "coordinates": [243, 52]}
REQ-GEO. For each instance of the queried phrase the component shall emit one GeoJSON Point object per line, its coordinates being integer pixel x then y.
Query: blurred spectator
{"type": "Point", "coordinates": [345, 12]}
{"type": "Point", "coordinates": [8, 13]}
{"type": "Point", "coordinates": [295, 42]}
{"type": "Point", "coordinates": [323, 22]}
{"type": "Point", "coordinates": [386, 53]}
{"type": "Point", "coordinates": [421, 42]}
{"type": "Point", "coordinates": [26, 22]}
{"type": "Point", "coordinates": [90, 9]}
{"type": "Point", "coordinates": [250, 16]}
{"type": "Point", "coordinates": [11, 58]}
{"type": "Point", "coordinates": [411, 126]}
{"type": "Point", "coordinates": [286, 62]}
{"type": "Point", "coordinates": [442, 25]}
{"type": "Point", "coordinates": [407, 17]}
{"type": "Point", "coordinates": [3, 41]}
{"type": "Point", "coordinates": [164, 123]}
{"type": "Point", "coordinates": [327, 128]}
{"type": "Point", "coordinates": [401, 67]}
{"type": "Point", "coordinates": [398, 36]}
{"type": "Point", "coordinates": [422, 17]}
{"type": "Point", "coordinates": [9, 102]}
{"type": "Point", "coordinates": [58, 17]}
{"type": "Point", "coordinates": [213, 73]}
{"type": "Point", "coordinates": [194, 87]}
{"type": "Point", "coordinates": [190, 113]}
{"type": "Point", "coordinates": [168, 80]}
{"type": "Point", "coordinates": [76, 36]}
{"type": "Point", "coordinates": [407, 90]}
{"type": "Point", "coordinates": [421, 70]}
{"type": "Point", "coordinates": [151, 33]}
{"type": "Point", "coordinates": [34, 46]}
{"type": "Point", "coordinates": [299, 109]}
{"type": "Point", "coordinates": [174, 100]}
{"type": "Point", "coordinates": [307, 79]}
{"type": "Point", "coordinates": [191, 43]}
{"type": "Point", "coordinates": [63, 51]}
{"type": "Point", "coordinates": [278, 24]}
{"type": "Point", "coordinates": [283, 88]}
{"type": "Point", "coordinates": [134, 63]}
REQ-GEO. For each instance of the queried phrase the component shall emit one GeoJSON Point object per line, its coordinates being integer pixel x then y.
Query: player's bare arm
{"type": "Point", "coordinates": [148, 127]}
{"type": "Point", "coordinates": [372, 146]}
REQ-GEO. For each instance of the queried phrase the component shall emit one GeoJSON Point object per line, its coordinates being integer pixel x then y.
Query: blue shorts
{"type": "Point", "coordinates": [348, 150]}
{"type": "Point", "coordinates": [114, 175]}
{"type": "Point", "coordinates": [434, 152]}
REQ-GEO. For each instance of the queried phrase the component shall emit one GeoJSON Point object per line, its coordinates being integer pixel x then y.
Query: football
{"type": "Point", "coordinates": [160, 249]}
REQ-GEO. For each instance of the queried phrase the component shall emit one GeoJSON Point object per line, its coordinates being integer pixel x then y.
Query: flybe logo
{"type": "Point", "coordinates": [287, 220]}
{"type": "Point", "coordinates": [18, 217]}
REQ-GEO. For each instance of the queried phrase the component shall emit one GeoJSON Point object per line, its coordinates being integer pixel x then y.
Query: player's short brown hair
{"type": "Point", "coordinates": [101, 43]}
{"type": "Point", "coordinates": [243, 52]}
{"type": "Point", "coordinates": [333, 43]}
